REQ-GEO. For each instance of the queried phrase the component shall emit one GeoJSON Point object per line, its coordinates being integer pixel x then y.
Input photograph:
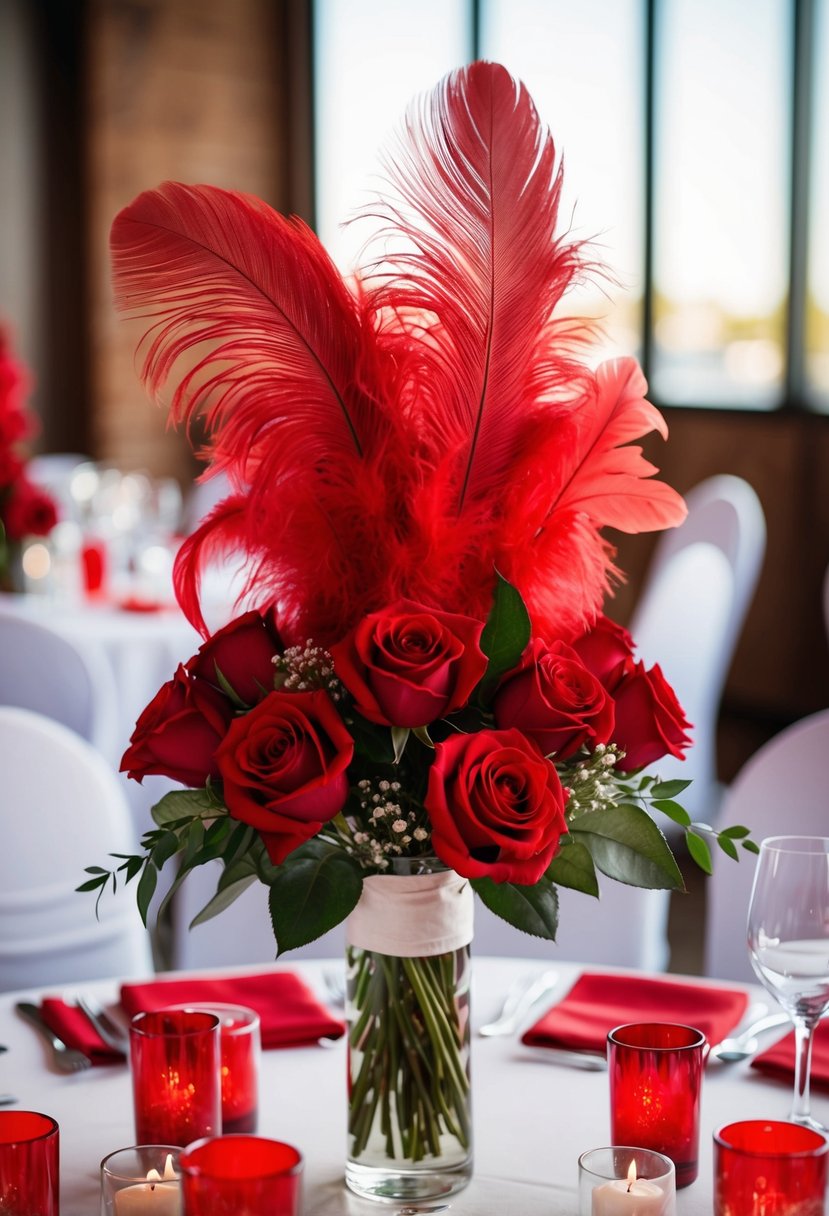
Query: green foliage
{"type": "Point", "coordinates": [626, 844]}
{"type": "Point", "coordinates": [573, 867]}
{"type": "Point", "coordinates": [312, 892]}
{"type": "Point", "coordinates": [505, 635]}
{"type": "Point", "coordinates": [533, 910]}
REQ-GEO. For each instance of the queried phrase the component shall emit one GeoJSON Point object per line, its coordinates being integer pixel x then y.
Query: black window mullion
{"type": "Point", "coordinates": [649, 185]}
{"type": "Point", "coordinates": [802, 69]}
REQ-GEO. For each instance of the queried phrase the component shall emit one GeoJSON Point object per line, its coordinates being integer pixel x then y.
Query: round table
{"type": "Point", "coordinates": [532, 1118]}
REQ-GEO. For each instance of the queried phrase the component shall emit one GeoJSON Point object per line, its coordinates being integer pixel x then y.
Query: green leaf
{"type": "Point", "coordinates": [422, 733]}
{"type": "Point", "coordinates": [699, 850]}
{"type": "Point", "coordinates": [146, 890]}
{"type": "Point", "coordinates": [92, 884]}
{"type": "Point", "coordinates": [505, 635]}
{"type": "Point", "coordinates": [626, 845]}
{"type": "Point", "coordinates": [95, 870]}
{"type": "Point", "coordinates": [667, 789]}
{"type": "Point", "coordinates": [735, 833]}
{"type": "Point", "coordinates": [728, 846]}
{"type": "Point", "coordinates": [228, 689]}
{"type": "Point", "coordinates": [751, 846]}
{"type": "Point", "coordinates": [224, 897]}
{"type": "Point", "coordinates": [673, 810]}
{"type": "Point", "coordinates": [311, 892]}
{"type": "Point", "coordinates": [399, 739]}
{"type": "Point", "coordinates": [180, 805]}
{"type": "Point", "coordinates": [573, 867]}
{"type": "Point", "coordinates": [533, 909]}
{"type": "Point", "coordinates": [164, 849]}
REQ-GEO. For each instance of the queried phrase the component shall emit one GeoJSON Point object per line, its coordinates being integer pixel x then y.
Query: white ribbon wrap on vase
{"type": "Point", "coordinates": [412, 916]}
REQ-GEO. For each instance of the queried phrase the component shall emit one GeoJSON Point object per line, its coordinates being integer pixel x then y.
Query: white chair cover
{"type": "Point", "coordinates": [780, 791]}
{"type": "Point", "coordinates": [42, 670]}
{"type": "Point", "coordinates": [690, 614]}
{"type": "Point", "coordinates": [61, 810]}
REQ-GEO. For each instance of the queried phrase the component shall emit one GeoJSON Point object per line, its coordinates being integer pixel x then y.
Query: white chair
{"type": "Point", "coordinates": [43, 671]}
{"type": "Point", "coordinates": [61, 809]}
{"type": "Point", "coordinates": [690, 615]}
{"type": "Point", "coordinates": [781, 790]}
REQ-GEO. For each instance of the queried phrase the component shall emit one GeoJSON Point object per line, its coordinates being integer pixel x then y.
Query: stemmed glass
{"type": "Point", "coordinates": [788, 941]}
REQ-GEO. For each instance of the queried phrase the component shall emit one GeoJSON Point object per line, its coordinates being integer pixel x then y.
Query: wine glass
{"type": "Point", "coordinates": [788, 941]}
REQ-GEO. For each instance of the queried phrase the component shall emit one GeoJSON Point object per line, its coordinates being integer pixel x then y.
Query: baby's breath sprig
{"type": "Point", "coordinates": [389, 824]}
{"type": "Point", "coordinates": [591, 781]}
{"type": "Point", "coordinates": [306, 668]}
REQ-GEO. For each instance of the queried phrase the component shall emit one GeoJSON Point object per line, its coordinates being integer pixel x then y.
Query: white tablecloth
{"type": "Point", "coordinates": [532, 1119]}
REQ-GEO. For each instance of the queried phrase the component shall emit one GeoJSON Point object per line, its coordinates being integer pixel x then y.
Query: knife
{"type": "Point", "coordinates": [592, 1061]}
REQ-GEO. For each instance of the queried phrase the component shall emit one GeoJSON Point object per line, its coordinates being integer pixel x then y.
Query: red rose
{"type": "Point", "coordinates": [607, 651]}
{"type": "Point", "coordinates": [283, 766]}
{"type": "Point", "coordinates": [243, 652]}
{"type": "Point", "coordinates": [179, 731]}
{"type": "Point", "coordinates": [409, 665]}
{"type": "Point", "coordinates": [554, 699]}
{"type": "Point", "coordinates": [496, 806]}
{"type": "Point", "coordinates": [11, 466]}
{"type": "Point", "coordinates": [29, 512]}
{"type": "Point", "coordinates": [14, 425]}
{"type": "Point", "coordinates": [650, 722]}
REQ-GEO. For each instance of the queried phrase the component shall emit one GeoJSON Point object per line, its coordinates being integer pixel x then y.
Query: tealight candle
{"type": "Point", "coordinates": [141, 1181]}
{"type": "Point", "coordinates": [160, 1195]}
{"type": "Point", "coordinates": [620, 1181]}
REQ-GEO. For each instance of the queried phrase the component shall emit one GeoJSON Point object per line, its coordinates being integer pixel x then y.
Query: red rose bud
{"type": "Point", "coordinates": [554, 699]}
{"type": "Point", "coordinates": [607, 651]}
{"type": "Point", "coordinates": [178, 733]}
{"type": "Point", "coordinates": [409, 665]}
{"type": "Point", "coordinates": [243, 652]}
{"type": "Point", "coordinates": [283, 766]}
{"type": "Point", "coordinates": [650, 722]}
{"type": "Point", "coordinates": [496, 806]}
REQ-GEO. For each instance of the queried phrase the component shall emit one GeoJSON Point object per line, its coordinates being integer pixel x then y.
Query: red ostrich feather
{"type": "Point", "coordinates": [409, 435]}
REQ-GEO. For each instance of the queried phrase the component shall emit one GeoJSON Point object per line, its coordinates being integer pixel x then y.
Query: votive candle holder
{"type": "Point", "coordinates": [765, 1167]}
{"type": "Point", "coordinates": [29, 1163]}
{"type": "Point", "coordinates": [232, 1174]}
{"type": "Point", "coordinates": [176, 1079]}
{"type": "Point", "coordinates": [655, 1073]}
{"type": "Point", "coordinates": [626, 1181]}
{"type": "Point", "coordinates": [240, 1049]}
{"type": "Point", "coordinates": [141, 1180]}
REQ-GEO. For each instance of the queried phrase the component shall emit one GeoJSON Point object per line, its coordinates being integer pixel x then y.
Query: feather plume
{"type": "Point", "coordinates": [411, 433]}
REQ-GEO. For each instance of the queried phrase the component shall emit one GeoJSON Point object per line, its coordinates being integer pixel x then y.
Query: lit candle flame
{"type": "Point", "coordinates": [631, 1173]}
{"type": "Point", "coordinates": [169, 1174]}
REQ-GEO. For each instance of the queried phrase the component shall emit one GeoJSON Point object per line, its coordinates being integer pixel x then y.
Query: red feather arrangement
{"type": "Point", "coordinates": [409, 437]}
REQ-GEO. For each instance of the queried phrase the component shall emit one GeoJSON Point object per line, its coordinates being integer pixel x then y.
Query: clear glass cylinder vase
{"type": "Point", "coordinates": [409, 1094]}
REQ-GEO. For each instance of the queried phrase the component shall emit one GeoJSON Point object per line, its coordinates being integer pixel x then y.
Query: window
{"type": "Point", "coordinates": [695, 137]}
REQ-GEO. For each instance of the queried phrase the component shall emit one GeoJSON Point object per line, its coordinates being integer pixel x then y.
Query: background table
{"type": "Point", "coordinates": [532, 1119]}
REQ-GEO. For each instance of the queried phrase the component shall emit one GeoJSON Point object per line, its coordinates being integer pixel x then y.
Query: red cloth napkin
{"type": "Point", "coordinates": [596, 1003]}
{"type": "Point", "coordinates": [778, 1060]}
{"type": "Point", "coordinates": [74, 1027]}
{"type": "Point", "coordinates": [290, 1013]}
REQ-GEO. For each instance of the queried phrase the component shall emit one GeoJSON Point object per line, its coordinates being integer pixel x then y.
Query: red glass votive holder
{"type": "Point", "coordinates": [764, 1167]}
{"type": "Point", "coordinates": [176, 1079]}
{"type": "Point", "coordinates": [233, 1174]}
{"type": "Point", "coordinates": [29, 1163]}
{"type": "Point", "coordinates": [655, 1081]}
{"type": "Point", "coordinates": [241, 1045]}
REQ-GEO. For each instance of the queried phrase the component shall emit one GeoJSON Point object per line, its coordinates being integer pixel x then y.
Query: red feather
{"type": "Point", "coordinates": [409, 437]}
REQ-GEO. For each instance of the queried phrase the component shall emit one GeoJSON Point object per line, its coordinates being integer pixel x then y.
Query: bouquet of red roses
{"type": "Point", "coordinates": [25, 509]}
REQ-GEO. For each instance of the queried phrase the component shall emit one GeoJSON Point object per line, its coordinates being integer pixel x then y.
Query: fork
{"type": "Point", "coordinates": [67, 1059]}
{"type": "Point", "coordinates": [114, 1035]}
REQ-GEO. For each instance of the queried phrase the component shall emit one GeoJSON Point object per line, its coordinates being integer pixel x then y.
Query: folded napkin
{"type": "Point", "coordinates": [74, 1027]}
{"type": "Point", "coordinates": [596, 1003]}
{"type": "Point", "coordinates": [290, 1013]}
{"type": "Point", "coordinates": [778, 1060]}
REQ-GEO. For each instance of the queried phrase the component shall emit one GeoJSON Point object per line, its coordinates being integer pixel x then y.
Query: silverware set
{"type": "Point", "coordinates": [68, 1059]}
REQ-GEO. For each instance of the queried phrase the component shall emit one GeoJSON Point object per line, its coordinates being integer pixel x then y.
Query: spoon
{"type": "Point", "coordinates": [740, 1046]}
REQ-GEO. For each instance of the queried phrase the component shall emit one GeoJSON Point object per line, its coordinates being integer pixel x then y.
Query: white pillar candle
{"type": "Point", "coordinates": [629, 1197]}
{"type": "Point", "coordinates": [160, 1195]}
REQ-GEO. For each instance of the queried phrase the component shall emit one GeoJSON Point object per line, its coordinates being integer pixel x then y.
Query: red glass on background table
{"type": "Point", "coordinates": [29, 1163]}
{"type": "Point", "coordinates": [240, 1049]}
{"type": "Point", "coordinates": [655, 1080]}
{"type": "Point", "coordinates": [176, 1079]}
{"type": "Point", "coordinates": [233, 1174]}
{"type": "Point", "coordinates": [767, 1168]}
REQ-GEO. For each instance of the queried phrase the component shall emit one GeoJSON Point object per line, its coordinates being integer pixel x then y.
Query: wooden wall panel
{"type": "Point", "coordinates": [183, 89]}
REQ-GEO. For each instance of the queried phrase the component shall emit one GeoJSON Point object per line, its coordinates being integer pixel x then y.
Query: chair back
{"type": "Point", "coordinates": [781, 790]}
{"type": "Point", "coordinates": [43, 671]}
{"type": "Point", "coordinates": [61, 809]}
{"type": "Point", "coordinates": [690, 615]}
